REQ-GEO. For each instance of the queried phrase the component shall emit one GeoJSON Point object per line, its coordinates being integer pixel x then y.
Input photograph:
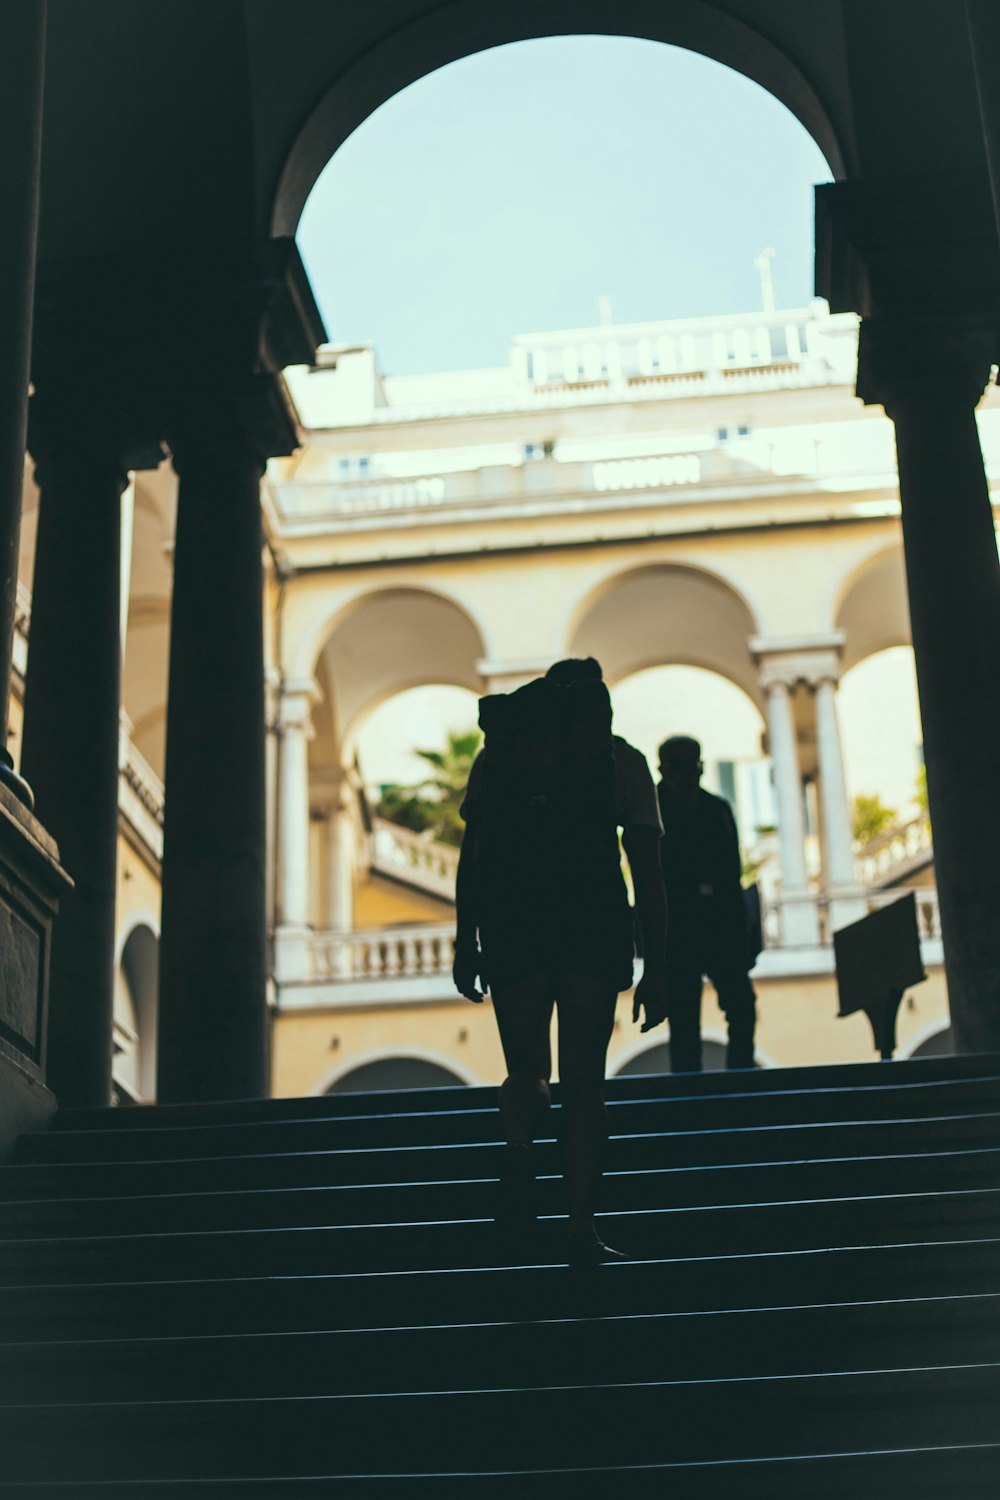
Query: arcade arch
{"type": "Point", "coordinates": [135, 1012]}
{"type": "Point", "coordinates": [413, 1069]}
{"type": "Point", "coordinates": [432, 42]}
{"type": "Point", "coordinates": [667, 612]}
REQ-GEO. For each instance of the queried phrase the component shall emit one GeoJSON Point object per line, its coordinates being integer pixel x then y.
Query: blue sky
{"type": "Point", "coordinates": [505, 193]}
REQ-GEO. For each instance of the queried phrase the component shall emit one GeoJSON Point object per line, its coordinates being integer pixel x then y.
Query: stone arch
{"type": "Point", "coordinates": [667, 614]}
{"type": "Point", "coordinates": [438, 1070]}
{"type": "Point", "coordinates": [872, 608]}
{"type": "Point", "coordinates": [653, 1059]}
{"type": "Point", "coordinates": [936, 1041]}
{"type": "Point", "coordinates": [136, 1007]}
{"type": "Point", "coordinates": [383, 642]}
{"type": "Point", "coordinates": [465, 27]}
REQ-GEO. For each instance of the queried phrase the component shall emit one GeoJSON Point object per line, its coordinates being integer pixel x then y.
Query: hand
{"type": "Point", "coordinates": [468, 967]}
{"type": "Point", "coordinates": [651, 997]}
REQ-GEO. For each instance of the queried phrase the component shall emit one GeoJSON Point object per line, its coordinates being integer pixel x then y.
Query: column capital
{"type": "Point", "coordinates": [935, 359]}
{"type": "Point", "coordinates": [295, 705]}
{"type": "Point", "coordinates": [789, 661]}
{"type": "Point", "coordinates": [185, 345]}
{"type": "Point", "coordinates": [910, 244]}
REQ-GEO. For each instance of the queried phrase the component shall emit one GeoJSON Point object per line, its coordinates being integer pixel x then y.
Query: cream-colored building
{"type": "Point", "coordinates": [708, 493]}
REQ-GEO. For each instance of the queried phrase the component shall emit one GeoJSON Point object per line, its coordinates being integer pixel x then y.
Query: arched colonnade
{"type": "Point", "coordinates": [351, 648]}
{"type": "Point", "coordinates": [185, 344]}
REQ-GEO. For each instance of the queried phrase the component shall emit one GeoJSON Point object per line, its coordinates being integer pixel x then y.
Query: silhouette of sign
{"type": "Point", "coordinates": [877, 959]}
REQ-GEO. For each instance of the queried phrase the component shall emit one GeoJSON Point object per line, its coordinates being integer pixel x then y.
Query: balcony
{"type": "Point", "coordinates": [412, 963]}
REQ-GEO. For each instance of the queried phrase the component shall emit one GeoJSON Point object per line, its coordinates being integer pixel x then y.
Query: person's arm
{"type": "Point", "coordinates": [468, 963]}
{"type": "Point", "coordinates": [642, 848]}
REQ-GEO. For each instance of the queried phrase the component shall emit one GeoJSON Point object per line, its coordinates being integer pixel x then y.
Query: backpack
{"type": "Point", "coordinates": [552, 894]}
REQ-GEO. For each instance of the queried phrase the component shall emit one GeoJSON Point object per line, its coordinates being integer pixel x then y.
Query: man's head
{"type": "Point", "coordinates": [681, 765]}
{"type": "Point", "coordinates": [575, 669]}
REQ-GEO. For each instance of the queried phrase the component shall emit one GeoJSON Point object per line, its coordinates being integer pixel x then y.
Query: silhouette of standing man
{"type": "Point", "coordinates": [706, 915]}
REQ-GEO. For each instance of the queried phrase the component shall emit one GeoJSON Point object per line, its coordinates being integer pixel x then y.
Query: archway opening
{"type": "Point", "coordinates": [655, 1060]}
{"type": "Point", "coordinates": [135, 1017]}
{"type": "Point", "coordinates": [389, 1073]}
{"type": "Point", "coordinates": [407, 199]}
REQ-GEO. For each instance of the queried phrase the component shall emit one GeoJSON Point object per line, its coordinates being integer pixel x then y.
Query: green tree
{"type": "Point", "coordinates": [432, 805]}
{"type": "Point", "coordinates": [870, 817]}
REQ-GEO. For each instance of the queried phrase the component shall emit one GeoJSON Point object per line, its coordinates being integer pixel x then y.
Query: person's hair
{"type": "Point", "coordinates": [575, 669]}
{"type": "Point", "coordinates": [685, 743]}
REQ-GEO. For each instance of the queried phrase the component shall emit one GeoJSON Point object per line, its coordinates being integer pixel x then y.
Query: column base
{"type": "Point", "coordinates": [799, 920]}
{"type": "Point", "coordinates": [31, 883]}
{"type": "Point", "coordinates": [292, 954]}
{"type": "Point", "coordinates": [845, 904]}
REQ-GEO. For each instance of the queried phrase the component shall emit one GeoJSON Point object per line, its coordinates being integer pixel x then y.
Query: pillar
{"type": "Point", "coordinates": [295, 730]}
{"type": "Point", "coordinates": [340, 862]}
{"type": "Point", "coordinates": [22, 70]}
{"type": "Point", "coordinates": [846, 902]}
{"type": "Point", "coordinates": [799, 926]}
{"type": "Point", "coordinates": [212, 1020]}
{"type": "Point", "coordinates": [929, 375]}
{"type": "Point", "coordinates": [69, 751]}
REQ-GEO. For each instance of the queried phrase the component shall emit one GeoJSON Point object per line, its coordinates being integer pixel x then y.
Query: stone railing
{"type": "Point", "coordinates": [928, 911]}
{"type": "Point", "coordinates": [542, 482]}
{"type": "Point", "coordinates": [414, 857]}
{"type": "Point", "coordinates": [895, 853]}
{"type": "Point", "coordinates": [420, 950]}
{"type": "Point", "coordinates": [928, 915]}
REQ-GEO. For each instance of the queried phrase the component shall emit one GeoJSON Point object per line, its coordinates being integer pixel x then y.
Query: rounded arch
{"type": "Point", "coordinates": [136, 1006]}
{"type": "Point", "coordinates": [872, 608]}
{"type": "Point", "coordinates": [462, 29]}
{"type": "Point", "coordinates": [453, 1073]}
{"type": "Point", "coordinates": [389, 640]}
{"type": "Point", "coordinates": [315, 637]}
{"type": "Point", "coordinates": [934, 1041]}
{"type": "Point", "coordinates": [653, 1059]}
{"type": "Point", "coordinates": [667, 614]}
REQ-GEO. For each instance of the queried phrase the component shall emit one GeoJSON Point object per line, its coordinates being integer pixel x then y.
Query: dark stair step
{"type": "Point", "coordinates": [812, 1224]}
{"type": "Point", "coordinates": [715, 1283]}
{"type": "Point", "coordinates": [528, 1428]}
{"type": "Point", "coordinates": [972, 1096]}
{"type": "Point", "coordinates": [655, 1347]}
{"type": "Point", "coordinates": [916, 1473]}
{"type": "Point", "coordinates": [337, 1168]}
{"type": "Point", "coordinates": [873, 1074]}
{"type": "Point", "coordinates": [431, 1202]}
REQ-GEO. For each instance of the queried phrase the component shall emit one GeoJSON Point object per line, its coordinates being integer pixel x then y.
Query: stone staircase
{"type": "Point", "coordinates": [306, 1297]}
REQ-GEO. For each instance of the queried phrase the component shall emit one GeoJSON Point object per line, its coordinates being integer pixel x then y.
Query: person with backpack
{"type": "Point", "coordinates": [543, 918]}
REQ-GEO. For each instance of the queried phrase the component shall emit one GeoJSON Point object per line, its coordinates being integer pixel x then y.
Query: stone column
{"type": "Point", "coordinates": [295, 729]}
{"type": "Point", "coordinates": [71, 728]}
{"type": "Point", "coordinates": [22, 70]}
{"type": "Point", "coordinates": [212, 1019]}
{"type": "Point", "coordinates": [929, 374]}
{"type": "Point", "coordinates": [340, 862]}
{"type": "Point", "coordinates": [799, 926]}
{"type": "Point", "coordinates": [846, 903]}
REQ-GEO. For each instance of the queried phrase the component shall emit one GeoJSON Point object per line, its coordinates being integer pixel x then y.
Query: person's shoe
{"type": "Point", "coordinates": [584, 1247]}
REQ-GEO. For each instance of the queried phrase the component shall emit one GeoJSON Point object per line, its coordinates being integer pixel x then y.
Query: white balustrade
{"type": "Point", "coordinates": [895, 850]}
{"type": "Point", "coordinates": [382, 953]}
{"type": "Point", "coordinates": [406, 855]}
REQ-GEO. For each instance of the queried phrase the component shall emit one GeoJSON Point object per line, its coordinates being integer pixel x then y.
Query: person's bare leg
{"type": "Point", "coordinates": [586, 1018]}
{"type": "Point", "coordinates": [524, 1014]}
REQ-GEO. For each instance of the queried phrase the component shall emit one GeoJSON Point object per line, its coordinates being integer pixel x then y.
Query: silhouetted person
{"type": "Point", "coordinates": [543, 917]}
{"type": "Point", "coordinates": [707, 929]}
